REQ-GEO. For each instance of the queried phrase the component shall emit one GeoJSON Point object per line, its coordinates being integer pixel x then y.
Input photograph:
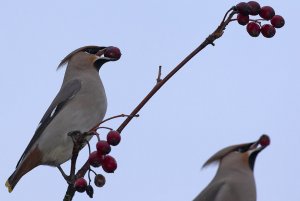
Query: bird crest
{"type": "Point", "coordinates": [90, 49]}
{"type": "Point", "coordinates": [223, 152]}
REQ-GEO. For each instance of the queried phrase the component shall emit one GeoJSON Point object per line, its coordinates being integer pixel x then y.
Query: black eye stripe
{"type": "Point", "coordinates": [243, 148]}
{"type": "Point", "coordinates": [92, 50]}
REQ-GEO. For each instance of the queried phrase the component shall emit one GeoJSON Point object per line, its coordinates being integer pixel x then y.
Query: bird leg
{"type": "Point", "coordinates": [78, 140]}
{"type": "Point", "coordinates": [66, 177]}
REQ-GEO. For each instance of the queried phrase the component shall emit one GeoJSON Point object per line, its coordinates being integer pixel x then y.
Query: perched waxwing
{"type": "Point", "coordinates": [80, 105]}
{"type": "Point", "coordinates": [234, 180]}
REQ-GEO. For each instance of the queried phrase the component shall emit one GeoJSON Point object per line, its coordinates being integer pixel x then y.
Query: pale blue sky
{"type": "Point", "coordinates": [228, 94]}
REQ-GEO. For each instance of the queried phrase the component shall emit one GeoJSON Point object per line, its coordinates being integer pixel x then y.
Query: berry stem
{"type": "Point", "coordinates": [89, 176]}
{"type": "Point", "coordinates": [257, 21]}
{"type": "Point", "coordinates": [108, 128]}
{"type": "Point", "coordinates": [114, 117]}
{"type": "Point", "coordinates": [233, 8]}
{"type": "Point", "coordinates": [89, 146]}
{"type": "Point", "coordinates": [93, 171]}
{"type": "Point", "coordinates": [98, 136]}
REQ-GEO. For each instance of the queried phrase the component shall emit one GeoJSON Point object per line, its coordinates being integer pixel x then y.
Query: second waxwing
{"type": "Point", "coordinates": [234, 180]}
{"type": "Point", "coordinates": [80, 105]}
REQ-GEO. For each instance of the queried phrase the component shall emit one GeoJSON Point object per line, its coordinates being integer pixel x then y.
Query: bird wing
{"type": "Point", "coordinates": [212, 192]}
{"type": "Point", "coordinates": [66, 93]}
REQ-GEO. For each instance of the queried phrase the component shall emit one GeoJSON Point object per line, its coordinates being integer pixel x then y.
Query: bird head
{"type": "Point", "coordinates": [91, 57]}
{"type": "Point", "coordinates": [243, 154]}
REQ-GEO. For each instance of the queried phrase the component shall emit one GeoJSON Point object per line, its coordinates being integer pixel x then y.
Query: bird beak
{"type": "Point", "coordinates": [260, 144]}
{"type": "Point", "coordinates": [101, 59]}
{"type": "Point", "coordinates": [256, 147]}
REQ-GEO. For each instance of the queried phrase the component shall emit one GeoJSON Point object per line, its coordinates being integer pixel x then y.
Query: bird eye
{"type": "Point", "coordinates": [242, 149]}
{"type": "Point", "coordinates": [91, 50]}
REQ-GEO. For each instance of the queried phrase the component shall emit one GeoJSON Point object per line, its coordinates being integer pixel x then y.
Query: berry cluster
{"type": "Point", "coordinates": [254, 27]}
{"type": "Point", "coordinates": [100, 158]}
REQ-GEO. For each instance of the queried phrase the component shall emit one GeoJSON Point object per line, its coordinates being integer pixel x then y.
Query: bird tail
{"type": "Point", "coordinates": [13, 180]}
{"type": "Point", "coordinates": [25, 165]}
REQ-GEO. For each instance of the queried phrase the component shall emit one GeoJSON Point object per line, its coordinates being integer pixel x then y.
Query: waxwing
{"type": "Point", "coordinates": [80, 105]}
{"type": "Point", "coordinates": [234, 180]}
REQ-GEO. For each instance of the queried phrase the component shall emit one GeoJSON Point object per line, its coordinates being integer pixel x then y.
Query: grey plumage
{"type": "Point", "coordinates": [234, 180]}
{"type": "Point", "coordinates": [80, 105]}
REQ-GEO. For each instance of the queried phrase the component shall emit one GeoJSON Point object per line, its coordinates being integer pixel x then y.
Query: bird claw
{"type": "Point", "coordinates": [74, 133]}
{"type": "Point", "coordinates": [76, 136]}
{"type": "Point", "coordinates": [69, 178]}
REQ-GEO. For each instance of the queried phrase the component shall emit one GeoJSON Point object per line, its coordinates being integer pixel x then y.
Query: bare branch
{"type": "Point", "coordinates": [160, 82]}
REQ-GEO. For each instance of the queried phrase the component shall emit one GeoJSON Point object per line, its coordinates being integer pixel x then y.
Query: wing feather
{"type": "Point", "coordinates": [66, 93]}
{"type": "Point", "coordinates": [211, 192]}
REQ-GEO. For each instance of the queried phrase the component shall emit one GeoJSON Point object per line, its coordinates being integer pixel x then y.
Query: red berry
{"type": "Point", "coordinates": [113, 138]}
{"type": "Point", "coordinates": [242, 19]}
{"type": "Point", "coordinates": [112, 52]}
{"type": "Point", "coordinates": [264, 140]}
{"type": "Point", "coordinates": [255, 7]}
{"type": "Point", "coordinates": [268, 30]}
{"type": "Point", "coordinates": [99, 180]}
{"type": "Point", "coordinates": [253, 29]}
{"type": "Point", "coordinates": [103, 147]}
{"type": "Point", "coordinates": [80, 185]}
{"type": "Point", "coordinates": [267, 12]}
{"type": "Point", "coordinates": [277, 21]}
{"type": "Point", "coordinates": [109, 164]}
{"type": "Point", "coordinates": [243, 8]}
{"type": "Point", "coordinates": [95, 159]}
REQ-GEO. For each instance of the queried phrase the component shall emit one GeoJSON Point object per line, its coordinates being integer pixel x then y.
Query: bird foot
{"type": "Point", "coordinates": [69, 178]}
{"type": "Point", "coordinates": [76, 136]}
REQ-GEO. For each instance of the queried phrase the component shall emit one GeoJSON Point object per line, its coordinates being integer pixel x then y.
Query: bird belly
{"type": "Point", "coordinates": [55, 144]}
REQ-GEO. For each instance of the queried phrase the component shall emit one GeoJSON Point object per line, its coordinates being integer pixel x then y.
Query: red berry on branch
{"type": "Point", "coordinates": [267, 12]}
{"type": "Point", "coordinates": [255, 7]}
{"type": "Point", "coordinates": [243, 8]}
{"type": "Point", "coordinates": [99, 180]}
{"type": "Point", "coordinates": [109, 164]}
{"type": "Point", "coordinates": [277, 21]}
{"type": "Point", "coordinates": [268, 30]}
{"type": "Point", "coordinates": [103, 147]}
{"type": "Point", "coordinates": [112, 52]}
{"type": "Point", "coordinates": [95, 159]}
{"type": "Point", "coordinates": [264, 140]}
{"type": "Point", "coordinates": [80, 185]}
{"type": "Point", "coordinates": [113, 138]}
{"type": "Point", "coordinates": [242, 19]}
{"type": "Point", "coordinates": [253, 29]}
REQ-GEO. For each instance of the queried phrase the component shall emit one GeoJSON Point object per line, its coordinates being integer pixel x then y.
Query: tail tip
{"type": "Point", "coordinates": [9, 187]}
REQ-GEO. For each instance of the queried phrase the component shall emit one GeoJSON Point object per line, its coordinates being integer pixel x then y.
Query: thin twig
{"type": "Point", "coordinates": [158, 79]}
{"type": "Point", "coordinates": [104, 127]}
{"type": "Point", "coordinates": [117, 116]}
{"type": "Point", "coordinates": [233, 8]}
